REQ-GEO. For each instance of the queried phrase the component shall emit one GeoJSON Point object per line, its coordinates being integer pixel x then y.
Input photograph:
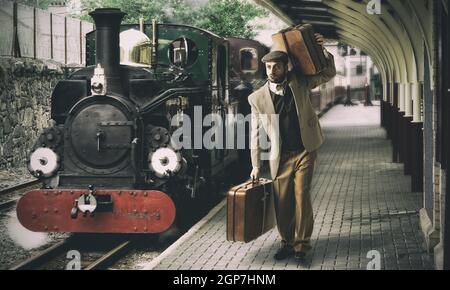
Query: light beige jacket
{"type": "Point", "coordinates": [264, 116]}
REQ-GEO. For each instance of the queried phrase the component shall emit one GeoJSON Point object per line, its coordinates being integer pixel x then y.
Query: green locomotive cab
{"type": "Point", "coordinates": [196, 52]}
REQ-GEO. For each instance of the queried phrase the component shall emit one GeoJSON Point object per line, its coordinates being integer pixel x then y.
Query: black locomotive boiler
{"type": "Point", "coordinates": [109, 164]}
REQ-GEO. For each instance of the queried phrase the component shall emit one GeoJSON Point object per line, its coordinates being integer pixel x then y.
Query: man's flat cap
{"type": "Point", "coordinates": [275, 56]}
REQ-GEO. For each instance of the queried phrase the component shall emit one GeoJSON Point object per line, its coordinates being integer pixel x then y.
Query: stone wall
{"type": "Point", "coordinates": [25, 90]}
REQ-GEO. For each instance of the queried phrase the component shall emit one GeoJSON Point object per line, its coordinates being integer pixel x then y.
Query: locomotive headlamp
{"type": "Point", "coordinates": [97, 88]}
{"type": "Point", "coordinates": [98, 81]}
{"type": "Point", "coordinates": [43, 162]}
{"type": "Point", "coordinates": [165, 162]}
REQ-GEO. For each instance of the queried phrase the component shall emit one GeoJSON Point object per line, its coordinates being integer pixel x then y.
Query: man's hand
{"type": "Point", "coordinates": [254, 175]}
{"type": "Point", "coordinates": [319, 38]}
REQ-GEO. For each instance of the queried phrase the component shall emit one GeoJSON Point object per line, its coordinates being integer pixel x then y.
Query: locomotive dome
{"type": "Point", "coordinates": [134, 48]}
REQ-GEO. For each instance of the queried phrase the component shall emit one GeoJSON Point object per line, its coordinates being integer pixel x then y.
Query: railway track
{"type": "Point", "coordinates": [19, 188]}
{"type": "Point", "coordinates": [97, 251]}
{"type": "Point", "coordinates": [9, 203]}
{"type": "Point", "coordinates": [80, 252]}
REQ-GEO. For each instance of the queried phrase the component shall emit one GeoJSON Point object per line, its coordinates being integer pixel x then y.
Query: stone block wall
{"type": "Point", "coordinates": [25, 90]}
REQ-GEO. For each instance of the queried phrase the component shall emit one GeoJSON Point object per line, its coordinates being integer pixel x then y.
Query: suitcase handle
{"type": "Point", "coordinates": [256, 181]}
{"type": "Point", "coordinates": [251, 182]}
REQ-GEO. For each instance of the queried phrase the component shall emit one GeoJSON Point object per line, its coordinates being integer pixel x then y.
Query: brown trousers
{"type": "Point", "coordinates": [294, 213]}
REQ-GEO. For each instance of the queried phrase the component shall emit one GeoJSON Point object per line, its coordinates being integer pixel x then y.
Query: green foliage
{"type": "Point", "coordinates": [223, 17]}
{"type": "Point", "coordinates": [183, 13]}
{"type": "Point", "coordinates": [163, 10]}
{"type": "Point", "coordinates": [230, 18]}
{"type": "Point", "coordinates": [43, 4]}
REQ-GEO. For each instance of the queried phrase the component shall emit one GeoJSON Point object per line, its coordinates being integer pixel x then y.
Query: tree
{"type": "Point", "coordinates": [223, 17]}
{"type": "Point", "coordinates": [165, 11]}
{"type": "Point", "coordinates": [134, 9]}
{"type": "Point", "coordinates": [180, 11]}
{"type": "Point", "coordinates": [230, 18]}
{"type": "Point", "coordinates": [43, 4]}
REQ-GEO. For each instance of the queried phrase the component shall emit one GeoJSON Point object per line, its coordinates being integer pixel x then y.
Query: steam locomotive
{"type": "Point", "coordinates": [109, 164]}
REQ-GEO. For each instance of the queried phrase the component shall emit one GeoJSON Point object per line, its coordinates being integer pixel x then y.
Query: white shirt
{"type": "Point", "coordinates": [278, 88]}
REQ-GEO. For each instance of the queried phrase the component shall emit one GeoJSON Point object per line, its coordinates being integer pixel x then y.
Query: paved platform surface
{"type": "Point", "coordinates": [362, 202]}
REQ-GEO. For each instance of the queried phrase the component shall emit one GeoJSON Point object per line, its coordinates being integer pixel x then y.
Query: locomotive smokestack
{"type": "Point", "coordinates": [107, 25]}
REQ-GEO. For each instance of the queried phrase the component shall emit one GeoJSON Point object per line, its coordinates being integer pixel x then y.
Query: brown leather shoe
{"type": "Point", "coordinates": [284, 252]}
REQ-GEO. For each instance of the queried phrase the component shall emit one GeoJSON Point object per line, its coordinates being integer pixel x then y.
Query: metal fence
{"type": "Point", "coordinates": [30, 32]}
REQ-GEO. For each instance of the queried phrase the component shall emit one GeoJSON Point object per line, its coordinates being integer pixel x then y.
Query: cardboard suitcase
{"type": "Point", "coordinates": [304, 53]}
{"type": "Point", "coordinates": [250, 210]}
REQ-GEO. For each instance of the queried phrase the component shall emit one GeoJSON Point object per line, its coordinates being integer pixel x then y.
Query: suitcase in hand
{"type": "Point", "coordinates": [305, 55]}
{"type": "Point", "coordinates": [250, 210]}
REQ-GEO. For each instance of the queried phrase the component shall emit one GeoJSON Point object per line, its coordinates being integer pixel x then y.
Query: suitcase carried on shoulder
{"type": "Point", "coordinates": [300, 44]}
{"type": "Point", "coordinates": [250, 210]}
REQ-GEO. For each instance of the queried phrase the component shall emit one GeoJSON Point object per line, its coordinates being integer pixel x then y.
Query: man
{"type": "Point", "coordinates": [294, 141]}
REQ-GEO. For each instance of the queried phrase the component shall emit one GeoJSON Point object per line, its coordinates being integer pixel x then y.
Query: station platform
{"type": "Point", "coordinates": [361, 203]}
